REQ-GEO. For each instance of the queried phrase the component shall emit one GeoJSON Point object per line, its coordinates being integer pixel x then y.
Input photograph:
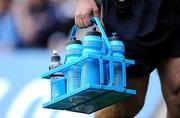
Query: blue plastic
{"type": "Point", "coordinates": [94, 92]}
{"type": "Point", "coordinates": [106, 43]}
{"type": "Point", "coordinates": [58, 86]}
{"type": "Point", "coordinates": [90, 68]}
{"type": "Point", "coordinates": [73, 74]}
{"type": "Point", "coordinates": [58, 82]}
{"type": "Point", "coordinates": [118, 52]}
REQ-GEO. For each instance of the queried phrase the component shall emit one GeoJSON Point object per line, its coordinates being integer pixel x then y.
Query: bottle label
{"type": "Point", "coordinates": [117, 74]}
{"type": "Point", "coordinates": [83, 76]}
{"type": "Point", "coordinates": [73, 51]}
{"type": "Point", "coordinates": [76, 83]}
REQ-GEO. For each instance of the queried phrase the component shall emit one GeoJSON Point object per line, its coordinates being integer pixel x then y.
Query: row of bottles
{"type": "Point", "coordinates": [88, 72]}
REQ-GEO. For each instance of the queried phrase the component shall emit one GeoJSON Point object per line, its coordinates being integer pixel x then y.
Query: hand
{"type": "Point", "coordinates": [85, 9]}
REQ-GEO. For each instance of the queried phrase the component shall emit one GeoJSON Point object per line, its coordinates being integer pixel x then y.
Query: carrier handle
{"type": "Point", "coordinates": [99, 25]}
{"type": "Point", "coordinates": [104, 36]}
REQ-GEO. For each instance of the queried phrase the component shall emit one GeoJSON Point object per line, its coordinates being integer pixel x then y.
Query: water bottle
{"type": "Point", "coordinates": [118, 52]}
{"type": "Point", "coordinates": [73, 51]}
{"type": "Point", "coordinates": [92, 44]}
{"type": "Point", "coordinates": [58, 82]}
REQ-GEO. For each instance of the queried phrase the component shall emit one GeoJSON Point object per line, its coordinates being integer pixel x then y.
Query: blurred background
{"type": "Point", "coordinates": [29, 31]}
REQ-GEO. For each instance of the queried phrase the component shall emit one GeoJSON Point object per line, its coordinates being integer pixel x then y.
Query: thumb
{"type": "Point", "coordinates": [96, 12]}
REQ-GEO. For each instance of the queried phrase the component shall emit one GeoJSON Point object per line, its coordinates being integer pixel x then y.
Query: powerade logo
{"type": "Point", "coordinates": [91, 43]}
{"type": "Point", "coordinates": [118, 48]}
{"type": "Point", "coordinates": [73, 52]}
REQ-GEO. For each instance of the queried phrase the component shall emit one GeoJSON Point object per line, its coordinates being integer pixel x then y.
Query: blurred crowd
{"type": "Point", "coordinates": [35, 23]}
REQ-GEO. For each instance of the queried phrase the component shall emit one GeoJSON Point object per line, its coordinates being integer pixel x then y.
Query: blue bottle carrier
{"type": "Point", "coordinates": [90, 98]}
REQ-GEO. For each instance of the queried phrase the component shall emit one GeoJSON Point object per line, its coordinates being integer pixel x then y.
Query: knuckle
{"type": "Point", "coordinates": [83, 14]}
{"type": "Point", "coordinates": [95, 9]}
{"type": "Point", "coordinates": [86, 15]}
{"type": "Point", "coordinates": [76, 17]}
{"type": "Point", "coordinates": [89, 9]}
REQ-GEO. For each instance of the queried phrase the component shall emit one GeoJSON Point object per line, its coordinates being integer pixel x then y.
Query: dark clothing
{"type": "Point", "coordinates": [150, 33]}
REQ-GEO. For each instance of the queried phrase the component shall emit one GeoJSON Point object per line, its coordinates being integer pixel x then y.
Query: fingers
{"type": "Point", "coordinates": [83, 21]}
{"type": "Point", "coordinates": [85, 10]}
{"type": "Point", "coordinates": [86, 20]}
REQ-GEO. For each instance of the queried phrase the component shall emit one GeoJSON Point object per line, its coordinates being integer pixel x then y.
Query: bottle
{"type": "Point", "coordinates": [118, 52]}
{"type": "Point", "coordinates": [58, 82]}
{"type": "Point", "coordinates": [92, 44]}
{"type": "Point", "coordinates": [73, 51]}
